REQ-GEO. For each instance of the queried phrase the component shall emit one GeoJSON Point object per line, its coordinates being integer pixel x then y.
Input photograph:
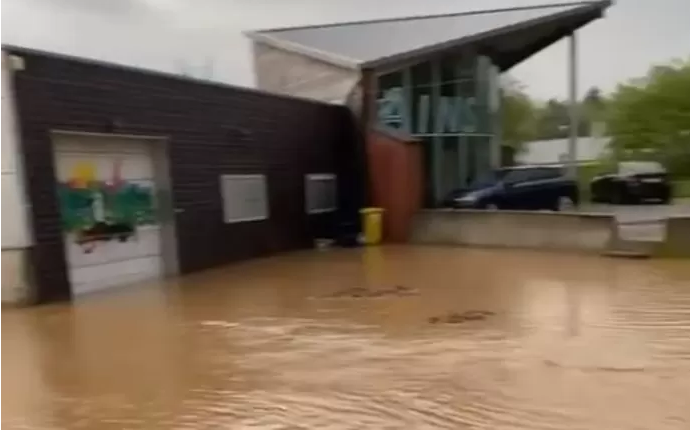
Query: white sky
{"type": "Point", "coordinates": [162, 34]}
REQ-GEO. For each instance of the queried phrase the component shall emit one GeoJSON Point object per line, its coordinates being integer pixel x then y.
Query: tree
{"type": "Point", "coordinates": [593, 108]}
{"type": "Point", "coordinates": [593, 97]}
{"type": "Point", "coordinates": [651, 116]}
{"type": "Point", "coordinates": [518, 115]}
{"type": "Point", "coordinates": [553, 120]}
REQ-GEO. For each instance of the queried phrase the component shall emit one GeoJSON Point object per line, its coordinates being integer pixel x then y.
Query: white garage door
{"type": "Point", "coordinates": [106, 192]}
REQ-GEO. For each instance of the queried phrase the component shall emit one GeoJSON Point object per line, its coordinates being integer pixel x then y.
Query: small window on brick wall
{"type": "Point", "coordinates": [321, 193]}
{"type": "Point", "coordinates": [245, 197]}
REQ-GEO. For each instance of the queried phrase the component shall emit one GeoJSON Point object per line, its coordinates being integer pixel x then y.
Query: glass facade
{"type": "Point", "coordinates": [450, 104]}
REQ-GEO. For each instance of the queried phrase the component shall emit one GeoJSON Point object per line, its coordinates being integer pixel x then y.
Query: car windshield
{"type": "Point", "coordinates": [640, 167]}
{"type": "Point", "coordinates": [488, 179]}
{"type": "Point", "coordinates": [517, 175]}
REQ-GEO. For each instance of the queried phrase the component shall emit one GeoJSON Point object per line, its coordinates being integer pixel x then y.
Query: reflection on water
{"type": "Point", "coordinates": [573, 342]}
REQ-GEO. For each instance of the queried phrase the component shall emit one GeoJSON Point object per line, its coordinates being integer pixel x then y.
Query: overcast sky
{"type": "Point", "coordinates": [205, 35]}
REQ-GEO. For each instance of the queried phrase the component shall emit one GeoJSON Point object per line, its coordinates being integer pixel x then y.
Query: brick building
{"type": "Point", "coordinates": [117, 175]}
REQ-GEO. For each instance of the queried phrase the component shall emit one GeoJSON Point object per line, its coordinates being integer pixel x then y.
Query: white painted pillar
{"type": "Point", "coordinates": [574, 117]}
{"type": "Point", "coordinates": [16, 229]}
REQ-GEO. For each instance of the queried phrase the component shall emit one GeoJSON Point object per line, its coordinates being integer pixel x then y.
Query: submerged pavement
{"type": "Point", "coordinates": [392, 337]}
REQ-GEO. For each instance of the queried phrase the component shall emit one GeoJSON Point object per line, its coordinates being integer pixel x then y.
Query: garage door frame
{"type": "Point", "coordinates": [159, 150]}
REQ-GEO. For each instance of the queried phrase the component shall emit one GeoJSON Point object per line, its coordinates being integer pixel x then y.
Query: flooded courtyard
{"type": "Point", "coordinates": [396, 337]}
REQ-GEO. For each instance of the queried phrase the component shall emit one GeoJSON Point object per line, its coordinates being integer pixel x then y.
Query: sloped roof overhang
{"type": "Point", "coordinates": [506, 45]}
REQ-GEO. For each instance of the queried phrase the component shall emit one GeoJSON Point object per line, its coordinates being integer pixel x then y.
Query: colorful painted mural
{"type": "Point", "coordinates": [99, 211]}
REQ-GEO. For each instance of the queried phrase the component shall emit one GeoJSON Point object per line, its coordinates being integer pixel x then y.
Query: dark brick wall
{"type": "Point", "coordinates": [211, 129]}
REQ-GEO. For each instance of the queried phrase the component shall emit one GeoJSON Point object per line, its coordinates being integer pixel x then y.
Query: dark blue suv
{"type": "Point", "coordinates": [519, 188]}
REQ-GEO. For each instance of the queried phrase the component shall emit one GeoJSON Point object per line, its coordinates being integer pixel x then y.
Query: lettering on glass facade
{"type": "Point", "coordinates": [452, 114]}
{"type": "Point", "coordinates": [452, 105]}
{"type": "Point", "coordinates": [391, 107]}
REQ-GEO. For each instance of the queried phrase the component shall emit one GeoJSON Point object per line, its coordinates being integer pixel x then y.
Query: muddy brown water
{"type": "Point", "coordinates": [573, 342]}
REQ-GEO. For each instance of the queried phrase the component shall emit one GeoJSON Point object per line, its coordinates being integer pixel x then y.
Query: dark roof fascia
{"type": "Point", "coordinates": [18, 50]}
{"type": "Point", "coordinates": [599, 6]}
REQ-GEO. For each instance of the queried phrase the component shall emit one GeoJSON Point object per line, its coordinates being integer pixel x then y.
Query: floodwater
{"type": "Point", "coordinates": [564, 341]}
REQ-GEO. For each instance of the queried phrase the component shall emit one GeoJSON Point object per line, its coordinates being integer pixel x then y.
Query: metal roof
{"type": "Point", "coordinates": [373, 43]}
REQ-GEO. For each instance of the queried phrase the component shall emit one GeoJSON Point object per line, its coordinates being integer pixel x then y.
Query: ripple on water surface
{"type": "Point", "coordinates": [571, 342]}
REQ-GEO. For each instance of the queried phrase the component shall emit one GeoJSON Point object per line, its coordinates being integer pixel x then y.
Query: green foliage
{"type": "Point", "coordinates": [650, 117]}
{"type": "Point", "coordinates": [681, 189]}
{"type": "Point", "coordinates": [553, 117]}
{"type": "Point", "coordinates": [593, 108]}
{"type": "Point", "coordinates": [518, 116]}
{"type": "Point", "coordinates": [553, 120]}
{"type": "Point", "coordinates": [647, 118]}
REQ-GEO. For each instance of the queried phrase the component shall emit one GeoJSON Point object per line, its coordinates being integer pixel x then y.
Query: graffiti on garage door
{"type": "Point", "coordinates": [100, 211]}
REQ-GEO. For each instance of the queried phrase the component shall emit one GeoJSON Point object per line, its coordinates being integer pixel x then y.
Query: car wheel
{"type": "Point", "coordinates": [565, 203]}
{"type": "Point", "coordinates": [491, 206]}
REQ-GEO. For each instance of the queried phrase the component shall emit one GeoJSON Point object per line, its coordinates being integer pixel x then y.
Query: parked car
{"type": "Point", "coordinates": [488, 180]}
{"type": "Point", "coordinates": [633, 182]}
{"type": "Point", "coordinates": [532, 187]}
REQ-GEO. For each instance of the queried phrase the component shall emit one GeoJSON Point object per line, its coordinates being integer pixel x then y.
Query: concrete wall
{"type": "Point", "coordinates": [16, 233]}
{"type": "Point", "coordinates": [583, 232]}
{"type": "Point", "coordinates": [677, 241]}
{"type": "Point", "coordinates": [16, 282]}
{"type": "Point", "coordinates": [284, 72]}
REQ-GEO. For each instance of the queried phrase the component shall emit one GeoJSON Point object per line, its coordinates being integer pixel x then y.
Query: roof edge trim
{"type": "Point", "coordinates": [21, 50]}
{"type": "Point", "coordinates": [441, 15]}
{"type": "Point", "coordinates": [592, 6]}
{"type": "Point", "coordinates": [296, 48]}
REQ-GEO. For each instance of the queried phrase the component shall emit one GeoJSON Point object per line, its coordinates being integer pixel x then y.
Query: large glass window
{"type": "Point", "coordinates": [391, 100]}
{"type": "Point", "coordinates": [478, 155]}
{"type": "Point", "coordinates": [421, 75]}
{"type": "Point", "coordinates": [450, 169]}
{"type": "Point", "coordinates": [449, 110]}
{"type": "Point", "coordinates": [423, 111]}
{"type": "Point", "coordinates": [449, 69]}
{"type": "Point", "coordinates": [445, 102]}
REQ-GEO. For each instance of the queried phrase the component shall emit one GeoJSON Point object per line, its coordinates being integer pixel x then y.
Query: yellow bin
{"type": "Point", "coordinates": [372, 222]}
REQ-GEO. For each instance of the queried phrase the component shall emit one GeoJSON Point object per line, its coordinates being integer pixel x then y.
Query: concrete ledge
{"type": "Point", "coordinates": [622, 246]}
{"type": "Point", "coordinates": [539, 230]}
{"type": "Point", "coordinates": [16, 283]}
{"type": "Point", "coordinates": [677, 241]}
